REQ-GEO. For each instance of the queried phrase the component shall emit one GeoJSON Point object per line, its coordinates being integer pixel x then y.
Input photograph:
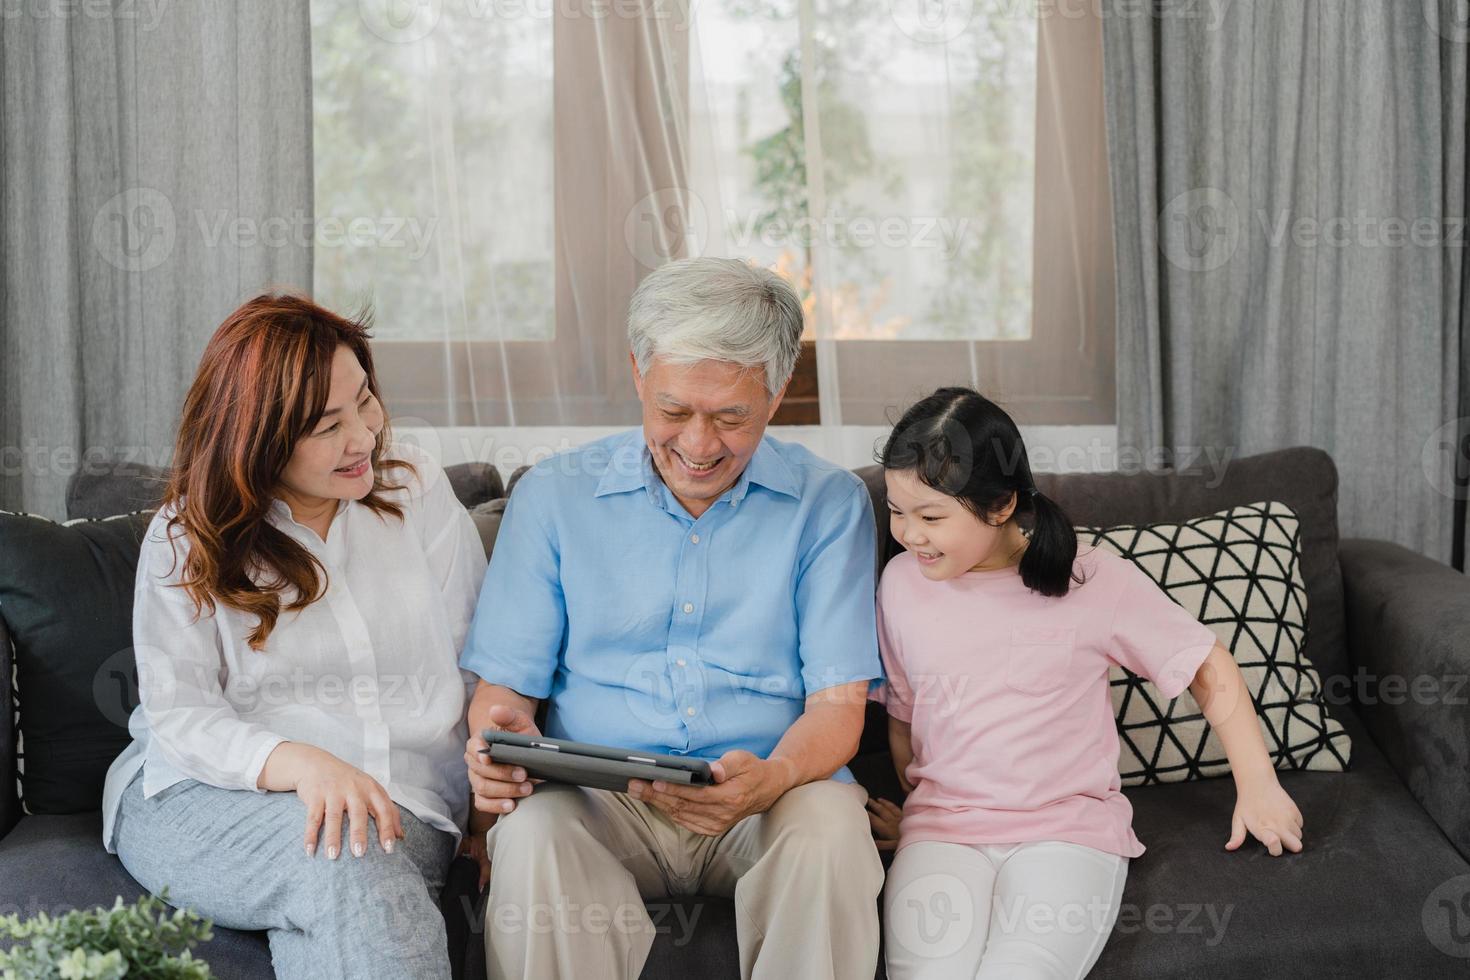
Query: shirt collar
{"type": "Point", "coordinates": [282, 511]}
{"type": "Point", "coordinates": [630, 467]}
{"type": "Point", "coordinates": [769, 469]}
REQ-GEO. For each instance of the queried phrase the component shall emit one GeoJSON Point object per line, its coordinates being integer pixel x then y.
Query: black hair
{"type": "Point", "coordinates": [962, 444]}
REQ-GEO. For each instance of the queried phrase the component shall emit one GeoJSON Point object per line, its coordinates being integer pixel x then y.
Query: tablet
{"type": "Point", "coordinates": [595, 766]}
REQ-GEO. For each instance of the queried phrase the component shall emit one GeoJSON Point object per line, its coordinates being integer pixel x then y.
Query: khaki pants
{"type": "Point", "coordinates": [572, 867]}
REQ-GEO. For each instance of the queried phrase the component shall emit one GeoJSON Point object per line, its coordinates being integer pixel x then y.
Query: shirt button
{"type": "Point", "coordinates": [680, 661]}
{"type": "Point", "coordinates": [689, 607]}
{"type": "Point", "coordinates": [689, 712]}
{"type": "Point", "coordinates": [694, 538]}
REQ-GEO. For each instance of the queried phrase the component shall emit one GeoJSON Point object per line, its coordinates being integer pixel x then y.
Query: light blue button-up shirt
{"type": "Point", "coordinates": [651, 630]}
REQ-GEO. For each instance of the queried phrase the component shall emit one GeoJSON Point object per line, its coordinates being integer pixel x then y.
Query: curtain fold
{"type": "Point", "coordinates": [156, 171]}
{"type": "Point", "coordinates": [1289, 193]}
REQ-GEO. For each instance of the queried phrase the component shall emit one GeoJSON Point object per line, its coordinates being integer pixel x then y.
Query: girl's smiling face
{"type": "Point", "coordinates": [945, 536]}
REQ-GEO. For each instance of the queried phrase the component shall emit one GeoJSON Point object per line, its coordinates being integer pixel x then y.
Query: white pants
{"type": "Point", "coordinates": [1035, 911]}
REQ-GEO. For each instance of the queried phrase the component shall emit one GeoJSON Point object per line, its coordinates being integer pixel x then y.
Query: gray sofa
{"type": "Point", "coordinates": [1382, 888]}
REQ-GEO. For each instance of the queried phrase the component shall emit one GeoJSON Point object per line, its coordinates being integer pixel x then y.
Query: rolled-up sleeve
{"type": "Point", "coordinates": [180, 672]}
{"type": "Point", "coordinates": [520, 622]}
{"type": "Point", "coordinates": [836, 628]}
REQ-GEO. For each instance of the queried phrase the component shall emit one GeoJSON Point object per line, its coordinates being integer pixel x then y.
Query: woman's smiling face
{"type": "Point", "coordinates": [335, 459]}
{"type": "Point", "coordinates": [945, 536]}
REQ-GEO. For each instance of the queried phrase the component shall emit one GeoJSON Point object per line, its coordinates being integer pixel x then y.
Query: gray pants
{"type": "Point", "coordinates": [238, 858]}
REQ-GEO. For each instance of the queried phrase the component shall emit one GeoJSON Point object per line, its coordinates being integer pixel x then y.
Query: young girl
{"type": "Point", "coordinates": [1015, 839]}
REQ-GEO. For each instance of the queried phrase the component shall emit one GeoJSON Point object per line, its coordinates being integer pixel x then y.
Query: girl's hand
{"type": "Point", "coordinates": [883, 816]}
{"type": "Point", "coordinates": [329, 787]}
{"type": "Point", "coordinates": [1264, 809]}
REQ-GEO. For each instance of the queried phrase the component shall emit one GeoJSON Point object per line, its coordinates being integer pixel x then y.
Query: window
{"type": "Point", "coordinates": [501, 174]}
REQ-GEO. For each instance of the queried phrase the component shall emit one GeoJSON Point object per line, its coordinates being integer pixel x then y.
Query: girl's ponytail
{"type": "Point", "coordinates": [1046, 564]}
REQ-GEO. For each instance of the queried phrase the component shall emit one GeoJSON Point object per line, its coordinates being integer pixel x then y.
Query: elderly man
{"type": "Point", "coordinates": [696, 588]}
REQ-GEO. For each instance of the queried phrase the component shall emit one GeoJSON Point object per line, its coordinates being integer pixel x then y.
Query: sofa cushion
{"type": "Point", "coordinates": [66, 595]}
{"type": "Point", "coordinates": [9, 795]}
{"type": "Point", "coordinates": [114, 486]}
{"type": "Point", "coordinates": [487, 518]}
{"type": "Point", "coordinates": [54, 864]}
{"type": "Point", "coordinates": [1304, 479]}
{"type": "Point", "coordinates": [1237, 572]}
{"type": "Point", "coordinates": [475, 483]}
{"type": "Point", "coordinates": [1359, 900]}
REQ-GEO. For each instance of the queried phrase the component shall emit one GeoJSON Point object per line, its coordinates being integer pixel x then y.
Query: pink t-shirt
{"type": "Point", "coordinates": [1007, 693]}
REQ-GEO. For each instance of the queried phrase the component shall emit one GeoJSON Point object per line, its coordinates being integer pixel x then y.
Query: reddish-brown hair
{"type": "Point", "coordinates": [262, 385]}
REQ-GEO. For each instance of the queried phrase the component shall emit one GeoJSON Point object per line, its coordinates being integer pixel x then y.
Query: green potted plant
{"type": "Point", "coordinates": [145, 939]}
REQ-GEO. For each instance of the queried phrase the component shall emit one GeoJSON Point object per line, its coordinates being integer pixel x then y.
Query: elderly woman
{"type": "Point", "coordinates": [695, 588]}
{"type": "Point", "coordinates": [302, 596]}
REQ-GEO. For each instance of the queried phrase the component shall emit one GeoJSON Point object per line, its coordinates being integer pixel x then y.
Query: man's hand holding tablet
{"type": "Point", "coordinates": [591, 765]}
{"type": "Point", "coordinates": [498, 785]}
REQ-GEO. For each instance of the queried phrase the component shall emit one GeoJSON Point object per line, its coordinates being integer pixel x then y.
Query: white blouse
{"type": "Point", "coordinates": [369, 672]}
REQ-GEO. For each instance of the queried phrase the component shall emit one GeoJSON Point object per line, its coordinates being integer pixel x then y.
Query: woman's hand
{"type": "Point", "coordinates": [883, 816]}
{"type": "Point", "coordinates": [473, 845]}
{"type": "Point", "coordinates": [329, 787]}
{"type": "Point", "coordinates": [497, 787]}
{"type": "Point", "coordinates": [1263, 808]}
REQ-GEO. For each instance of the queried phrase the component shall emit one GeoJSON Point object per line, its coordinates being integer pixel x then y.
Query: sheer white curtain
{"type": "Point", "coordinates": [496, 176]}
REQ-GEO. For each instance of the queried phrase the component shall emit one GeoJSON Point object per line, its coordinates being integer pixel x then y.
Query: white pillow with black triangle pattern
{"type": "Point", "coordinates": [1239, 573]}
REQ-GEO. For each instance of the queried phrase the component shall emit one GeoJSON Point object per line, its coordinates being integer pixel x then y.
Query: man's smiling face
{"type": "Point", "coordinates": [702, 423]}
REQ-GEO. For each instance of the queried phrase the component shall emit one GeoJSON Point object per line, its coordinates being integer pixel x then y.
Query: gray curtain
{"type": "Point", "coordinates": [1289, 193]}
{"type": "Point", "coordinates": [156, 171]}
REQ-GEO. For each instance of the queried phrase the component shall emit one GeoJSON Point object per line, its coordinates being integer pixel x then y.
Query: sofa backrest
{"type": "Point", "coordinates": [1305, 479]}
{"type": "Point", "coordinates": [120, 487]}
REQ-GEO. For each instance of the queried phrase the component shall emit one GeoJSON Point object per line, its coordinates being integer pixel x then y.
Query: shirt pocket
{"type": "Point", "coordinates": [1039, 658]}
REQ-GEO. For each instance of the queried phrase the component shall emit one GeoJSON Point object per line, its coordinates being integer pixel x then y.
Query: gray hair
{"type": "Point", "coordinates": [717, 309]}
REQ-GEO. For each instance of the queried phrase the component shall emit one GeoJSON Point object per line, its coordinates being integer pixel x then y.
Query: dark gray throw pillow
{"type": "Point", "coordinates": [66, 595]}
